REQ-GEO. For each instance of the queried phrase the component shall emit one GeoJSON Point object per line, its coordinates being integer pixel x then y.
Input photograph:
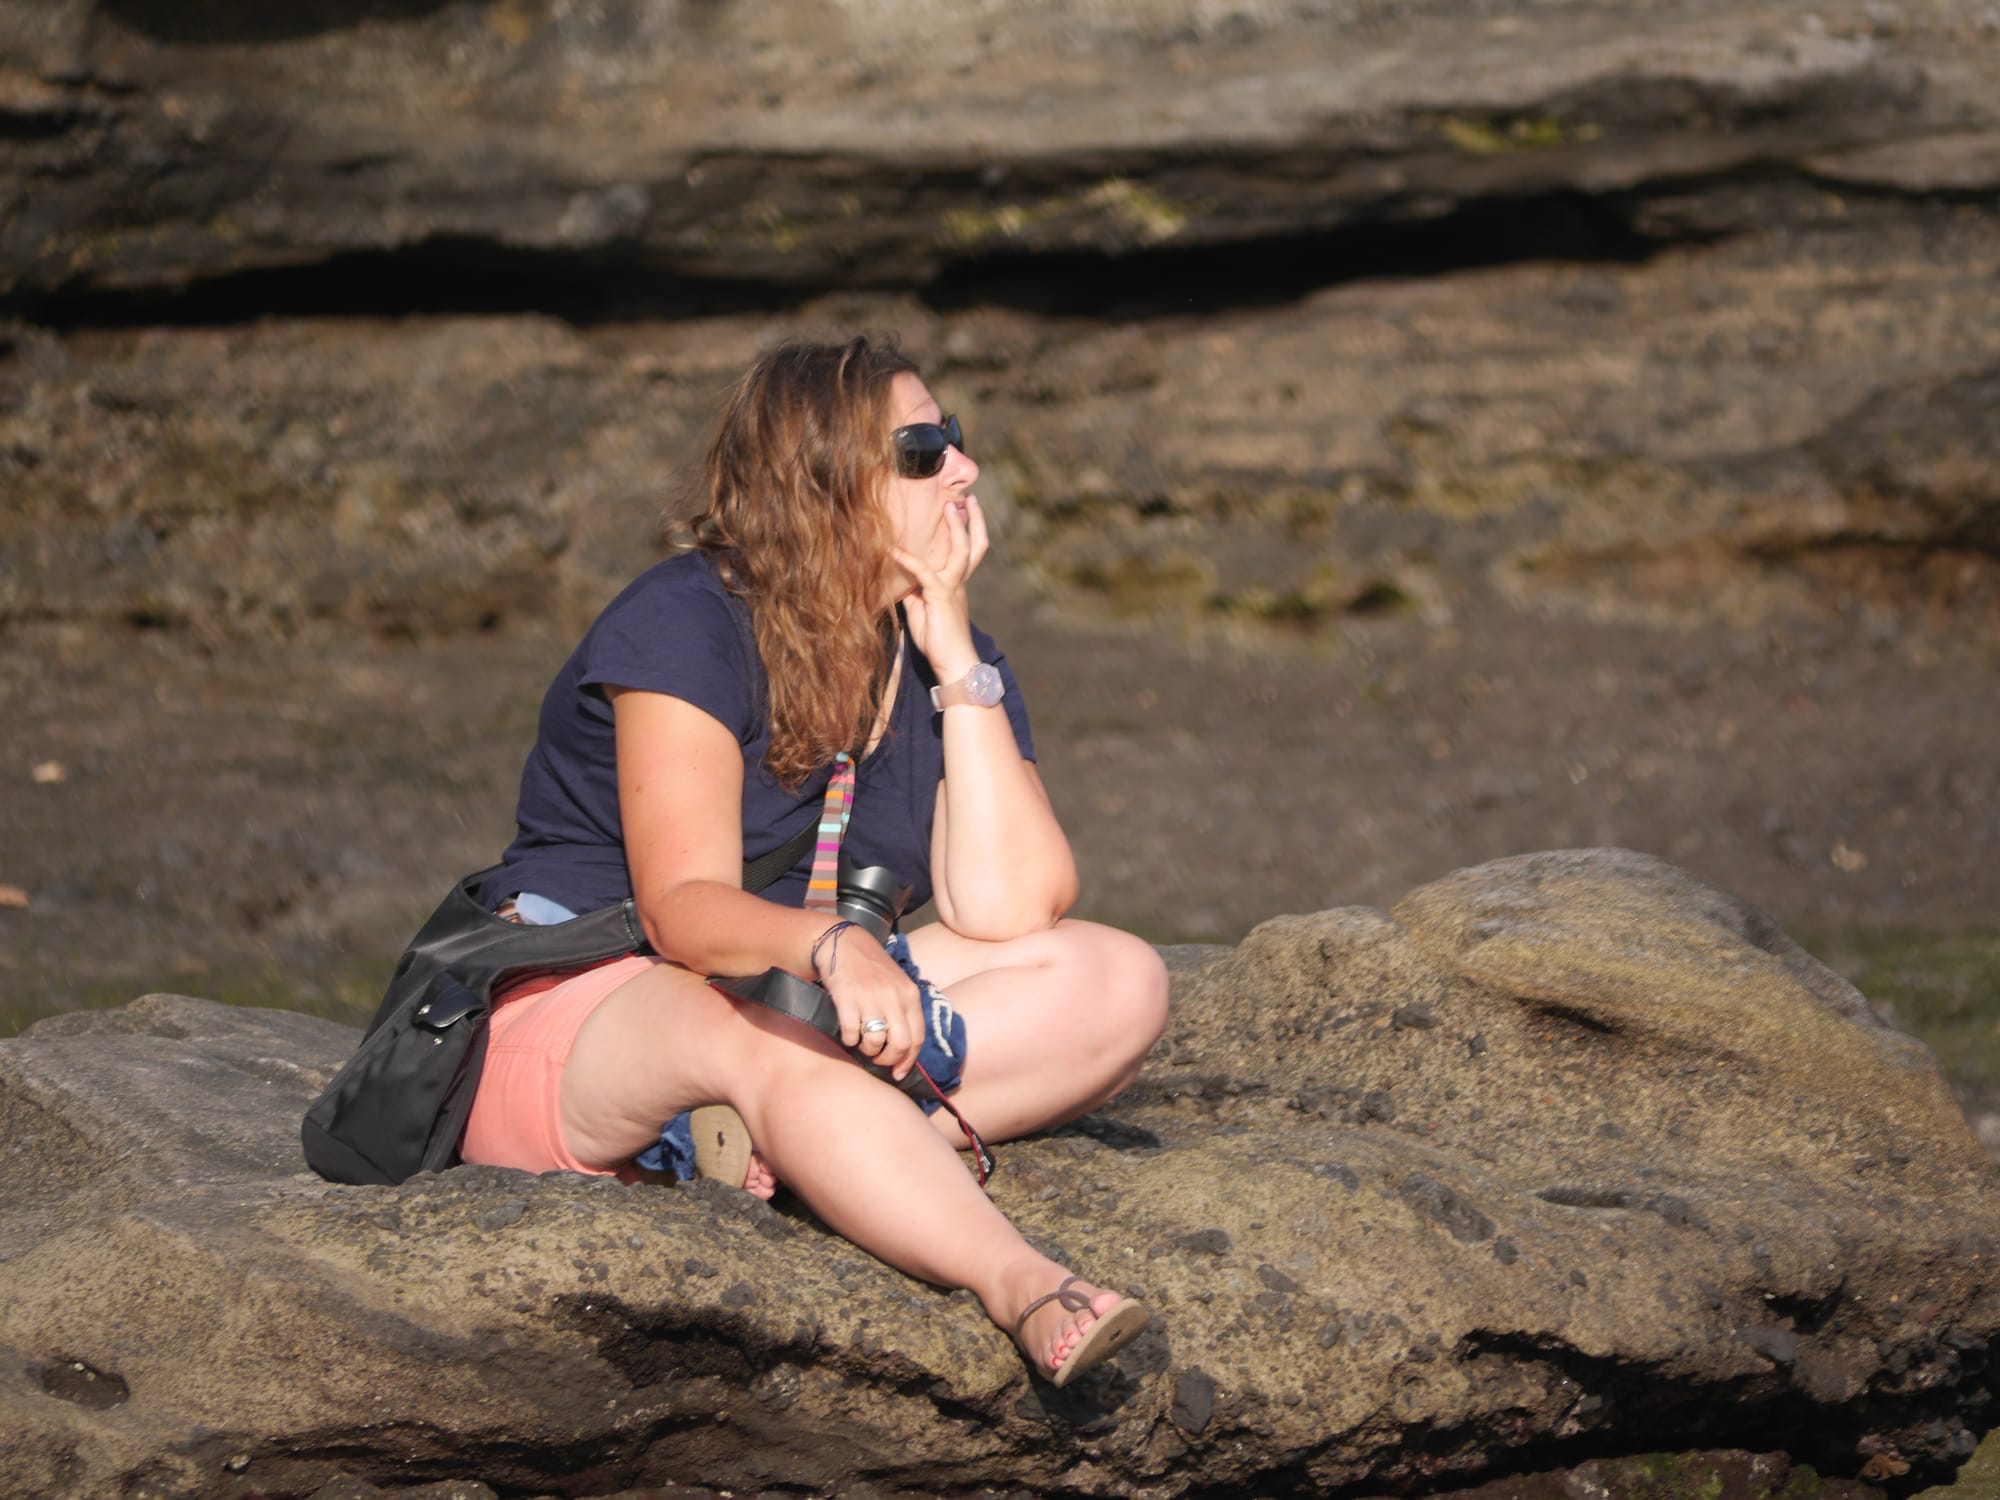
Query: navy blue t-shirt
{"type": "Point", "coordinates": [676, 630]}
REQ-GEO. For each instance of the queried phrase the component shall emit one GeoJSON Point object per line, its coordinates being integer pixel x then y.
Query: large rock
{"type": "Point", "coordinates": [1571, 1154]}
{"type": "Point", "coordinates": [1757, 373]}
{"type": "Point", "coordinates": [162, 142]}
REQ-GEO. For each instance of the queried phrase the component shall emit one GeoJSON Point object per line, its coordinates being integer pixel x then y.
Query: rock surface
{"type": "Point", "coordinates": [1568, 1154]}
{"type": "Point", "coordinates": [1413, 431]}
{"type": "Point", "coordinates": [1692, 294]}
{"type": "Point", "coordinates": [166, 142]}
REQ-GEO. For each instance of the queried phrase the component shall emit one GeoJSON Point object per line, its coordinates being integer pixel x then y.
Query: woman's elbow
{"type": "Point", "coordinates": [659, 934]}
{"type": "Point", "coordinates": [1063, 889]}
{"type": "Point", "coordinates": [1063, 898]}
{"type": "Point", "coordinates": [1012, 915]}
{"type": "Point", "coordinates": [673, 923]}
{"type": "Point", "coordinates": [988, 926]}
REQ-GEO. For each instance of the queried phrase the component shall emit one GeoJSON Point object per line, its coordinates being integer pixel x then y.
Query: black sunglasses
{"type": "Point", "coordinates": [920, 447]}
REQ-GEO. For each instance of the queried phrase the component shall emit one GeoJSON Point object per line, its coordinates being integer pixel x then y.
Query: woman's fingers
{"type": "Point", "coordinates": [909, 1039]}
{"type": "Point", "coordinates": [916, 567]}
{"type": "Point", "coordinates": [978, 538]}
{"type": "Point", "coordinates": [879, 991]}
{"type": "Point", "coordinates": [895, 1049]}
{"type": "Point", "coordinates": [850, 1020]}
{"type": "Point", "coordinates": [958, 533]}
{"type": "Point", "coordinates": [896, 1045]}
{"type": "Point", "coordinates": [943, 585]}
{"type": "Point", "coordinates": [966, 527]}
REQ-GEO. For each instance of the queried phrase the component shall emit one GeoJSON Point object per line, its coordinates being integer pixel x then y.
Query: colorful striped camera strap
{"type": "Point", "coordinates": [823, 889]}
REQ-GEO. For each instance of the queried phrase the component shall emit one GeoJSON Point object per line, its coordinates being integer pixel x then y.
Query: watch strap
{"type": "Point", "coordinates": [981, 687]}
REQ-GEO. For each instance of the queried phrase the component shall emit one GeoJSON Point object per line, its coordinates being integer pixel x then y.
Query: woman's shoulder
{"type": "Point", "coordinates": [692, 574]}
{"type": "Point", "coordinates": [676, 612]}
{"type": "Point", "coordinates": [684, 587]}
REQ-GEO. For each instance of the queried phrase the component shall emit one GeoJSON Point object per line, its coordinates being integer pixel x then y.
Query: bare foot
{"type": "Point", "coordinates": [760, 1181]}
{"type": "Point", "coordinates": [1076, 1327]}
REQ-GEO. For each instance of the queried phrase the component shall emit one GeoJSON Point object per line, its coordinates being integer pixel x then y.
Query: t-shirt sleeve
{"type": "Point", "coordinates": [676, 633]}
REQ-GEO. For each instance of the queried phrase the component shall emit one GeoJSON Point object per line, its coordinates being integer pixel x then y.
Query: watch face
{"type": "Point", "coordinates": [983, 685]}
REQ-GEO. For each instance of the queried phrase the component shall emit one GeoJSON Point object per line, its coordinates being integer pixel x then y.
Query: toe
{"type": "Point", "coordinates": [1070, 1327]}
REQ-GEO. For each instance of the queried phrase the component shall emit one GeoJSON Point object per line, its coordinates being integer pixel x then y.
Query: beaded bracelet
{"type": "Point", "coordinates": [833, 932]}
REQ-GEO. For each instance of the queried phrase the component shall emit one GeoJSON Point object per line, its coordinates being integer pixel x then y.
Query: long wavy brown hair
{"type": "Point", "coordinates": [794, 521]}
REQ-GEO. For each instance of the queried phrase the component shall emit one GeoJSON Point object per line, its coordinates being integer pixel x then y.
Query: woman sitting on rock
{"type": "Point", "coordinates": [780, 672]}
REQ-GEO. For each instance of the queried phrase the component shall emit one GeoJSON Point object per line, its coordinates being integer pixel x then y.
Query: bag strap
{"type": "Point", "coordinates": [476, 947]}
{"type": "Point", "coordinates": [761, 871]}
{"type": "Point", "coordinates": [504, 947]}
{"type": "Point", "coordinates": [482, 952]}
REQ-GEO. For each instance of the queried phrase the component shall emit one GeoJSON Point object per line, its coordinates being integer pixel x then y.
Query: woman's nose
{"type": "Point", "coordinates": [959, 469]}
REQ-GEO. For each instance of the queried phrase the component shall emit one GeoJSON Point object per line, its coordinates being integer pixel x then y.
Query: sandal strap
{"type": "Point", "coordinates": [1072, 1301]}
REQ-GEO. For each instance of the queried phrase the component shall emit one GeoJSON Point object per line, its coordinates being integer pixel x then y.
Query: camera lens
{"type": "Point", "coordinates": [870, 897]}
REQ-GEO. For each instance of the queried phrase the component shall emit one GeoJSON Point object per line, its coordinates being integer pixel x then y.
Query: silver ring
{"type": "Point", "coordinates": [874, 1026]}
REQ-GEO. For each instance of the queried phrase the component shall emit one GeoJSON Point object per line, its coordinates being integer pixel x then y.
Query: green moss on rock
{"type": "Point", "coordinates": [1944, 987]}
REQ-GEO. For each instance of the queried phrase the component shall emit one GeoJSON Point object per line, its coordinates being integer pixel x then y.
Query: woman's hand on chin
{"type": "Point", "coordinates": [939, 615]}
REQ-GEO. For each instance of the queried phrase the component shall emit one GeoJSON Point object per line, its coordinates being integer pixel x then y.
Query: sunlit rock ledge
{"type": "Point", "coordinates": [1569, 1155]}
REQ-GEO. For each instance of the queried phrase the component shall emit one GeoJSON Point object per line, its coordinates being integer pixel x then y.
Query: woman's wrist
{"type": "Point", "coordinates": [949, 668]}
{"type": "Point", "coordinates": [827, 946]}
{"type": "Point", "coordinates": [953, 656]}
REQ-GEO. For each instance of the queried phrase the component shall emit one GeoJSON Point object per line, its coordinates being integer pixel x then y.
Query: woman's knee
{"type": "Point", "coordinates": [1127, 979]}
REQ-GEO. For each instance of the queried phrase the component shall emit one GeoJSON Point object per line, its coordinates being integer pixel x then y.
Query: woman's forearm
{"type": "Point", "coordinates": [715, 928]}
{"type": "Point", "coordinates": [1001, 863]}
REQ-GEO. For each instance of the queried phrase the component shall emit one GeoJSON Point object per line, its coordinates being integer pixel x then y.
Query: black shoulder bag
{"type": "Point", "coordinates": [400, 1104]}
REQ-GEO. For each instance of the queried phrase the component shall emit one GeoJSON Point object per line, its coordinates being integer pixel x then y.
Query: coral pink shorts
{"type": "Point", "coordinates": [517, 1113]}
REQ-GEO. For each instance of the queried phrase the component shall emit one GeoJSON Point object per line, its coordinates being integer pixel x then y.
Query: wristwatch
{"type": "Point", "coordinates": [981, 687]}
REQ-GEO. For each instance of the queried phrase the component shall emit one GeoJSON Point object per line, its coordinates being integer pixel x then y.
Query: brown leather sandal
{"type": "Point", "coordinates": [1100, 1341]}
{"type": "Point", "coordinates": [721, 1144]}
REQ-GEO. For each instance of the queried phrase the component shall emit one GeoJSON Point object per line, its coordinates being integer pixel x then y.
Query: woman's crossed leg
{"type": "Point", "coordinates": [859, 1154]}
{"type": "Point", "coordinates": [1056, 1022]}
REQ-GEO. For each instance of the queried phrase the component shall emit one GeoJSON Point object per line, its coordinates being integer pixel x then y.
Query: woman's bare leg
{"type": "Point", "coordinates": [859, 1153]}
{"type": "Point", "coordinates": [1056, 1022]}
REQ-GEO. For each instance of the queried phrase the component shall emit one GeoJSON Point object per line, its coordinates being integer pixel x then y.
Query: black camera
{"type": "Point", "coordinates": [869, 897]}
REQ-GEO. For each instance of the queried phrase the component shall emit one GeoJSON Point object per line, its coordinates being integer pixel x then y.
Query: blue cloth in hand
{"type": "Point", "coordinates": [942, 1056]}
